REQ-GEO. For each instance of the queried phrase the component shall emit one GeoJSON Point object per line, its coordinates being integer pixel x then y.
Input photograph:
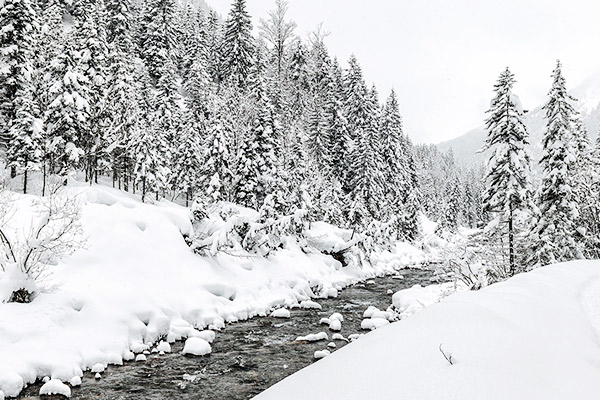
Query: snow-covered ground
{"type": "Point", "coordinates": [535, 336]}
{"type": "Point", "coordinates": [136, 282]}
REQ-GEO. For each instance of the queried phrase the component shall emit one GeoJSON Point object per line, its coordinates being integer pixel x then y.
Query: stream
{"type": "Point", "coordinates": [247, 357]}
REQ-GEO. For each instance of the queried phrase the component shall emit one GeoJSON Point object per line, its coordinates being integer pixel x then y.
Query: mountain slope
{"type": "Point", "coordinates": [465, 147]}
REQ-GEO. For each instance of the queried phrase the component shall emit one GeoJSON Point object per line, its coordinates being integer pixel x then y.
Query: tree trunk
{"type": "Point", "coordinates": [44, 179]}
{"type": "Point", "coordinates": [143, 188]}
{"type": "Point", "coordinates": [511, 246]}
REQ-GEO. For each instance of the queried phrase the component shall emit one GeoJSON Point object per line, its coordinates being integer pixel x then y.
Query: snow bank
{"type": "Point", "coordinates": [412, 300]}
{"type": "Point", "coordinates": [136, 281]}
{"type": "Point", "coordinates": [535, 336]}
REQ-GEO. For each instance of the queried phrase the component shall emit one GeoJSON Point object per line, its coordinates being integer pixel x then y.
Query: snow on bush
{"type": "Point", "coordinates": [196, 347]}
{"type": "Point", "coordinates": [55, 386]}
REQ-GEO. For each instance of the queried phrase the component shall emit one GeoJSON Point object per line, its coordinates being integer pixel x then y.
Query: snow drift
{"type": "Point", "coordinates": [137, 282]}
{"type": "Point", "coordinates": [535, 336]}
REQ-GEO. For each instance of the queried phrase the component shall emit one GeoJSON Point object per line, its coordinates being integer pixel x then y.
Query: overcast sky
{"type": "Point", "coordinates": [443, 56]}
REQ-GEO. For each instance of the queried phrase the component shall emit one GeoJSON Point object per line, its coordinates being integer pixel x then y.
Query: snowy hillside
{"type": "Point", "coordinates": [136, 282]}
{"type": "Point", "coordinates": [465, 147]}
{"type": "Point", "coordinates": [534, 337]}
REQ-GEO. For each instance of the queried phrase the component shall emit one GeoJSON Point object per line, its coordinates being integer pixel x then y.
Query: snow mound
{"type": "Point", "coordinates": [313, 337]}
{"type": "Point", "coordinates": [281, 313]}
{"type": "Point", "coordinates": [534, 336]}
{"type": "Point", "coordinates": [410, 301]}
{"type": "Point", "coordinates": [75, 381]}
{"type": "Point", "coordinates": [55, 386]}
{"type": "Point", "coordinates": [196, 346]}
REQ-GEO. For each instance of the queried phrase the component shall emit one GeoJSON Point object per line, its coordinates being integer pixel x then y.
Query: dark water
{"type": "Point", "coordinates": [247, 357]}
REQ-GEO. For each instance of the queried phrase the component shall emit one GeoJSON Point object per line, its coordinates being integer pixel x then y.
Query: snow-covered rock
{"type": "Point", "coordinates": [373, 323]}
{"type": "Point", "coordinates": [75, 381]}
{"type": "Point", "coordinates": [163, 347]}
{"type": "Point", "coordinates": [534, 336]}
{"type": "Point", "coordinates": [321, 354]}
{"type": "Point", "coordinates": [129, 356]}
{"type": "Point", "coordinates": [310, 305]}
{"type": "Point", "coordinates": [335, 325]}
{"type": "Point", "coordinates": [324, 321]}
{"type": "Point", "coordinates": [98, 367]}
{"type": "Point", "coordinates": [281, 313]}
{"type": "Point", "coordinates": [338, 336]}
{"type": "Point", "coordinates": [196, 346]}
{"type": "Point", "coordinates": [56, 387]}
{"type": "Point", "coordinates": [355, 336]}
{"type": "Point", "coordinates": [331, 345]}
{"type": "Point", "coordinates": [97, 376]}
{"type": "Point", "coordinates": [313, 337]}
{"type": "Point", "coordinates": [140, 358]}
{"type": "Point", "coordinates": [336, 316]}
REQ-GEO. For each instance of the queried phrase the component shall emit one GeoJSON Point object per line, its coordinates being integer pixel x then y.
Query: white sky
{"type": "Point", "coordinates": [443, 56]}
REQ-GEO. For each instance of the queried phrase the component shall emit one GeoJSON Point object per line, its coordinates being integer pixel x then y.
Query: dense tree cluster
{"type": "Point", "coordinates": [169, 100]}
{"type": "Point", "coordinates": [558, 221]}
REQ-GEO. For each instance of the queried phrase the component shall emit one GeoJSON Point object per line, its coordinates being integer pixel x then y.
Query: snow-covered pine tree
{"type": "Point", "coordinates": [20, 130]}
{"type": "Point", "coordinates": [121, 101]}
{"type": "Point", "coordinates": [91, 38]}
{"type": "Point", "coordinates": [338, 137]}
{"type": "Point", "coordinates": [214, 39]}
{"type": "Point", "coordinates": [216, 172]}
{"type": "Point", "coordinates": [257, 162]}
{"type": "Point", "coordinates": [189, 158]}
{"type": "Point", "coordinates": [508, 185]}
{"type": "Point", "coordinates": [398, 171]}
{"type": "Point", "coordinates": [555, 231]}
{"type": "Point", "coordinates": [67, 116]}
{"type": "Point", "coordinates": [238, 46]}
{"type": "Point", "coordinates": [159, 39]}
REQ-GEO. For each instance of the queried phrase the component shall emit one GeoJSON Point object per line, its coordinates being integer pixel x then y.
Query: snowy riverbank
{"type": "Point", "coordinates": [137, 281]}
{"type": "Point", "coordinates": [536, 336]}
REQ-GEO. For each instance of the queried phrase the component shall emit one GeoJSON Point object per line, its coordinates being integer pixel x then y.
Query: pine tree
{"type": "Point", "coordinates": [507, 192]}
{"type": "Point", "coordinates": [257, 160]}
{"type": "Point", "coordinates": [238, 45]}
{"type": "Point", "coordinates": [159, 41]}
{"type": "Point", "coordinates": [188, 160]}
{"type": "Point", "coordinates": [93, 49]}
{"type": "Point", "coordinates": [217, 175]}
{"type": "Point", "coordinates": [121, 101]}
{"type": "Point", "coordinates": [18, 111]}
{"type": "Point", "coordinates": [555, 228]}
{"type": "Point", "coordinates": [68, 113]}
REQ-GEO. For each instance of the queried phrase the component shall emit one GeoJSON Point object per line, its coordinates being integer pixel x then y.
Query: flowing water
{"type": "Point", "coordinates": [247, 357]}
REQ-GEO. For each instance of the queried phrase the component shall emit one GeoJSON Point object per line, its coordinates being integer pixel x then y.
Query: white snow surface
{"type": "Point", "coordinates": [136, 281]}
{"type": "Point", "coordinates": [535, 336]}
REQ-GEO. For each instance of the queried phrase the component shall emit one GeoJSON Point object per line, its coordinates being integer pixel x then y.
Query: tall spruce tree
{"type": "Point", "coordinates": [508, 186]}
{"type": "Point", "coordinates": [238, 46]}
{"type": "Point", "coordinates": [555, 229]}
{"type": "Point", "coordinates": [19, 115]}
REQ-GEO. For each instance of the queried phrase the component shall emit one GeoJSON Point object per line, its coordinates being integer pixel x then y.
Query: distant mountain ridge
{"type": "Point", "coordinates": [465, 147]}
